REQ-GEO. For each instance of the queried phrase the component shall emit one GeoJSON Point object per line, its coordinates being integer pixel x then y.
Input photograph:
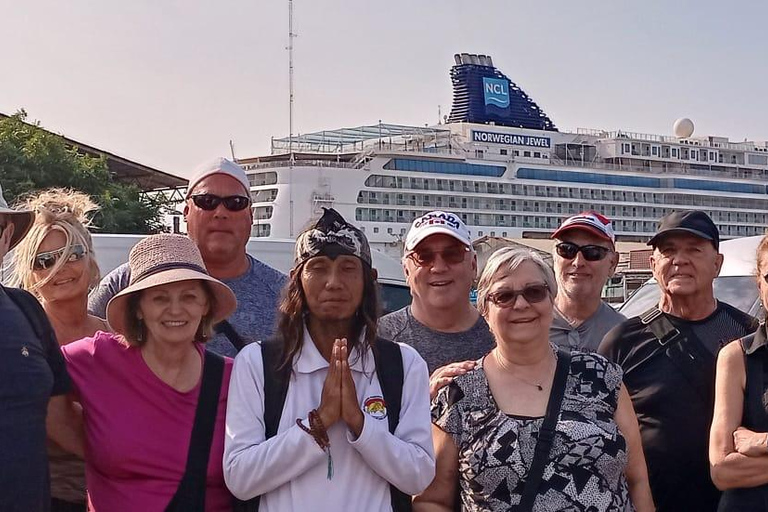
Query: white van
{"type": "Point", "coordinates": [112, 250]}
{"type": "Point", "coordinates": [736, 284]}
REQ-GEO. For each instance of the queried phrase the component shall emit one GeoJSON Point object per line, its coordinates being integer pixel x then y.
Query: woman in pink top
{"type": "Point", "coordinates": [139, 390]}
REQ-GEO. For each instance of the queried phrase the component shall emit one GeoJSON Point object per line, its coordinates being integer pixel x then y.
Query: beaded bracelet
{"type": "Point", "coordinates": [320, 435]}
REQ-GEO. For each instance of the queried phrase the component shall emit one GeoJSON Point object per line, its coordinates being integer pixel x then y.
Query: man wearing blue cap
{"type": "Point", "coordinates": [668, 355]}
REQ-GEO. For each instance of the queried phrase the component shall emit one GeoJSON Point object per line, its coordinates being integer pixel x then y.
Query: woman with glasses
{"type": "Point", "coordinates": [533, 427]}
{"type": "Point", "coordinates": [55, 262]}
{"type": "Point", "coordinates": [738, 443]}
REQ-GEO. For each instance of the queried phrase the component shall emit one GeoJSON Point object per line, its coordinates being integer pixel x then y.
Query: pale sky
{"type": "Point", "coordinates": [169, 82]}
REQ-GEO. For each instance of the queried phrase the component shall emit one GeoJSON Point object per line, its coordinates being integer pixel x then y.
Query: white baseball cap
{"type": "Point", "coordinates": [218, 166]}
{"type": "Point", "coordinates": [593, 222]}
{"type": "Point", "coordinates": [437, 223]}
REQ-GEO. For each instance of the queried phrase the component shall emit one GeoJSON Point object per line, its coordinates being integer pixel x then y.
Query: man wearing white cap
{"type": "Point", "coordinates": [584, 257]}
{"type": "Point", "coordinates": [33, 380]}
{"type": "Point", "coordinates": [219, 219]}
{"type": "Point", "coordinates": [441, 323]}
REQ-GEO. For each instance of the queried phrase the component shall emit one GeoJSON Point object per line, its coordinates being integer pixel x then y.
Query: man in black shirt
{"type": "Point", "coordinates": [668, 356]}
{"type": "Point", "coordinates": [33, 380]}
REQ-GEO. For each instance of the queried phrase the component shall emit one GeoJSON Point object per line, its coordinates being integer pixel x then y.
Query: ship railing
{"type": "Point", "coordinates": [302, 163]}
{"type": "Point", "coordinates": [661, 168]}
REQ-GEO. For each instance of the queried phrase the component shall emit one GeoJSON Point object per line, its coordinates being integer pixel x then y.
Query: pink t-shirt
{"type": "Point", "coordinates": [138, 428]}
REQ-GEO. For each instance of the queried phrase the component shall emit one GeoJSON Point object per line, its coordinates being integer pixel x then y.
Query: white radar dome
{"type": "Point", "coordinates": [683, 128]}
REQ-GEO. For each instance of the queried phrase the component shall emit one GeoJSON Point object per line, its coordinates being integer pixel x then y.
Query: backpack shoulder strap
{"type": "Point", "coordinates": [225, 328]}
{"type": "Point", "coordinates": [389, 369]}
{"type": "Point", "coordinates": [190, 495]}
{"type": "Point", "coordinates": [32, 310]}
{"type": "Point", "coordinates": [276, 381]}
{"type": "Point", "coordinates": [685, 350]}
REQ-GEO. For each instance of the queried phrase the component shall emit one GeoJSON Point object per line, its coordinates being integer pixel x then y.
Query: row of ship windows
{"type": "Point", "coordinates": [439, 167]}
{"type": "Point", "coordinates": [540, 222]}
{"type": "Point", "coordinates": [264, 196]}
{"type": "Point", "coordinates": [262, 178]}
{"type": "Point", "coordinates": [638, 181]}
{"type": "Point", "coordinates": [492, 187]}
{"type": "Point", "coordinates": [700, 155]}
{"type": "Point", "coordinates": [529, 191]}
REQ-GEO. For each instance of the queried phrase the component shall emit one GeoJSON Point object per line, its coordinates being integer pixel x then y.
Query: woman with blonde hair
{"type": "Point", "coordinates": [55, 262]}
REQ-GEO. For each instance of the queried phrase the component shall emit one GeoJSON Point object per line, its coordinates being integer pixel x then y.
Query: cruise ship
{"type": "Point", "coordinates": [500, 162]}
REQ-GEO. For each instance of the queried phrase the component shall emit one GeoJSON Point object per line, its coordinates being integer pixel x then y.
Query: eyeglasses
{"type": "Point", "coordinates": [569, 251]}
{"type": "Point", "coordinates": [46, 260]}
{"type": "Point", "coordinates": [532, 294]}
{"type": "Point", "coordinates": [452, 256]}
{"type": "Point", "coordinates": [209, 202]}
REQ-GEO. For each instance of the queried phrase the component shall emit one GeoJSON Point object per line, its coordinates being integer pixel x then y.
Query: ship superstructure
{"type": "Point", "coordinates": [500, 163]}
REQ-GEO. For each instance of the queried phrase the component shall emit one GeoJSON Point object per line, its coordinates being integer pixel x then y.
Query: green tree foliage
{"type": "Point", "coordinates": [33, 159]}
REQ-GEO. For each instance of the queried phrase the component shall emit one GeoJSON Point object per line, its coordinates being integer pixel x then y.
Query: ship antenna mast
{"type": "Point", "coordinates": [291, 36]}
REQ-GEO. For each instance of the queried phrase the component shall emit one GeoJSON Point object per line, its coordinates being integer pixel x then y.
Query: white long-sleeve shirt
{"type": "Point", "coordinates": [290, 470]}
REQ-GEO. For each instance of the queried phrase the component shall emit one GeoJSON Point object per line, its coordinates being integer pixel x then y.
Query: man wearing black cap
{"type": "Point", "coordinates": [668, 356]}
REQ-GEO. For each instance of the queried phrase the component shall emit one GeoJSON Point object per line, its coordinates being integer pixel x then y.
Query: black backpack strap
{"type": "Point", "coordinates": [686, 351]}
{"type": "Point", "coordinates": [33, 311]}
{"type": "Point", "coordinates": [276, 382]}
{"type": "Point", "coordinates": [190, 495]}
{"type": "Point", "coordinates": [547, 432]}
{"type": "Point", "coordinates": [389, 369]}
{"type": "Point", "coordinates": [225, 328]}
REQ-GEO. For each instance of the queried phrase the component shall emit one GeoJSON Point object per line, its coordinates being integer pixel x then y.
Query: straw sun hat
{"type": "Point", "coordinates": [162, 259]}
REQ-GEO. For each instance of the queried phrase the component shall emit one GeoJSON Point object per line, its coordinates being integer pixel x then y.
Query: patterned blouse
{"type": "Point", "coordinates": [588, 456]}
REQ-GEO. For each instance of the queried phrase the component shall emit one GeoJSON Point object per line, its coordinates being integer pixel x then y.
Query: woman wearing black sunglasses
{"type": "Point", "coordinates": [533, 427]}
{"type": "Point", "coordinates": [55, 262]}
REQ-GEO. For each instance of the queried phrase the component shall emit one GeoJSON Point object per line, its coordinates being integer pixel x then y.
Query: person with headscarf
{"type": "Point", "coordinates": [328, 416]}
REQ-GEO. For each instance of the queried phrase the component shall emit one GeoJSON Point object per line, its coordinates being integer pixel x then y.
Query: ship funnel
{"type": "Point", "coordinates": [482, 94]}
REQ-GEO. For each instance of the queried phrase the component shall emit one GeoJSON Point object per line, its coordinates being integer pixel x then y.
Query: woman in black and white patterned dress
{"type": "Point", "coordinates": [486, 422]}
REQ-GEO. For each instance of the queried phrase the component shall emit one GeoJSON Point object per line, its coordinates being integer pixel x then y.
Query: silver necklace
{"type": "Point", "coordinates": [500, 361]}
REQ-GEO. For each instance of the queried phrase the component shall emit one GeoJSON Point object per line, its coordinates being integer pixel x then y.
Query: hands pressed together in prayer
{"type": "Point", "coordinates": [339, 398]}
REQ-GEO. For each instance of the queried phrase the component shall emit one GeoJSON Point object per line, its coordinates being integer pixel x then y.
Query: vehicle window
{"type": "Point", "coordinates": [393, 297]}
{"type": "Point", "coordinates": [738, 291]}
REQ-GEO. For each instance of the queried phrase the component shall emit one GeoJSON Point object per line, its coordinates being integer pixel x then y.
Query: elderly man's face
{"type": "Point", "coordinates": [220, 234]}
{"type": "Point", "coordinates": [685, 265]}
{"type": "Point", "coordinates": [440, 272]}
{"type": "Point", "coordinates": [578, 278]}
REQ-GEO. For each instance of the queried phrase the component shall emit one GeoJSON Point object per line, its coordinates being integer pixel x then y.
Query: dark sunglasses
{"type": "Point", "coordinates": [569, 251]}
{"type": "Point", "coordinates": [46, 260]}
{"type": "Point", "coordinates": [532, 294]}
{"type": "Point", "coordinates": [209, 202]}
{"type": "Point", "coordinates": [452, 256]}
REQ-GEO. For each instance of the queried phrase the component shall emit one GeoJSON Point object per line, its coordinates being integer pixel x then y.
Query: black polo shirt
{"type": "Point", "coordinates": [674, 418]}
{"type": "Point", "coordinates": [31, 371]}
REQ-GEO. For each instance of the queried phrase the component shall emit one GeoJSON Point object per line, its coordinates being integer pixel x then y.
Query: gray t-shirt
{"type": "Point", "coordinates": [587, 336]}
{"type": "Point", "coordinates": [437, 348]}
{"type": "Point", "coordinates": [257, 291]}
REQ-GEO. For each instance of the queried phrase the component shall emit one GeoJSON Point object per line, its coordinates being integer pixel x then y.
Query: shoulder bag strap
{"type": "Point", "coordinates": [687, 353]}
{"type": "Point", "coordinates": [389, 369]}
{"type": "Point", "coordinates": [225, 328]}
{"type": "Point", "coordinates": [190, 495]}
{"type": "Point", "coordinates": [547, 432]}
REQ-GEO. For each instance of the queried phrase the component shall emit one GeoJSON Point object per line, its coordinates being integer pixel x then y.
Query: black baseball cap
{"type": "Point", "coordinates": [694, 222]}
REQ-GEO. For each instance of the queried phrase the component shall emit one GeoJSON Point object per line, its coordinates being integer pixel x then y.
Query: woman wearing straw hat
{"type": "Point", "coordinates": [55, 262]}
{"type": "Point", "coordinates": [153, 398]}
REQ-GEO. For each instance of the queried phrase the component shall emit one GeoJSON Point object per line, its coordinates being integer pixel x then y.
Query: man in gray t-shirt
{"type": "Point", "coordinates": [219, 219]}
{"type": "Point", "coordinates": [440, 266]}
{"type": "Point", "coordinates": [583, 259]}
{"type": "Point", "coordinates": [588, 334]}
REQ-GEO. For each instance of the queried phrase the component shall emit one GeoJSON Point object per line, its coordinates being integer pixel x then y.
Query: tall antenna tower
{"type": "Point", "coordinates": [291, 36]}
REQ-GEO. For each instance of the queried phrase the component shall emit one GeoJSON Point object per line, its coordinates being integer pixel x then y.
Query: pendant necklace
{"type": "Point", "coordinates": [503, 365]}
